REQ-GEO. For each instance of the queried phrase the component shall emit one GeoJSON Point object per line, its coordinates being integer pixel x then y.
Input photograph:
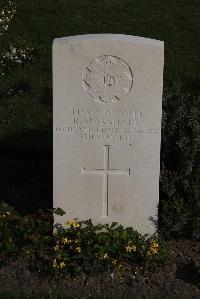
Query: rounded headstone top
{"type": "Point", "coordinates": [120, 37]}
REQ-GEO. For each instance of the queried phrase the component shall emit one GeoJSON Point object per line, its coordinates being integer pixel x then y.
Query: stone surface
{"type": "Point", "coordinates": [107, 128]}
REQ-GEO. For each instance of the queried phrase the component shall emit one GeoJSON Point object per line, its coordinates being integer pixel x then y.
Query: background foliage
{"type": "Point", "coordinates": [26, 97]}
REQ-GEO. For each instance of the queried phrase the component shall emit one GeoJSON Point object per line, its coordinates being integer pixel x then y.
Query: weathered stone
{"type": "Point", "coordinates": [107, 128]}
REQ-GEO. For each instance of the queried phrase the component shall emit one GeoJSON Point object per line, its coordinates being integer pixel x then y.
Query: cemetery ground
{"type": "Point", "coordinates": [27, 257]}
{"type": "Point", "coordinates": [91, 261]}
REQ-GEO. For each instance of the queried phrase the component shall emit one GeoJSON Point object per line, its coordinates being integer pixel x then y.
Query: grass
{"type": "Point", "coordinates": [175, 22]}
{"type": "Point", "coordinates": [39, 22]}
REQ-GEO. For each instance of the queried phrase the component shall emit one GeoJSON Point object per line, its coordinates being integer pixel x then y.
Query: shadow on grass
{"type": "Point", "coordinates": [26, 170]}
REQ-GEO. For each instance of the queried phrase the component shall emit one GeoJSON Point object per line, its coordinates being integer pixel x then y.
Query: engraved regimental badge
{"type": "Point", "coordinates": [108, 79]}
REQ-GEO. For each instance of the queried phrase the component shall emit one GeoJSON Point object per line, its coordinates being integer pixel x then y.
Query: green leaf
{"type": "Point", "coordinates": [60, 212]}
{"type": "Point", "coordinates": [113, 225]}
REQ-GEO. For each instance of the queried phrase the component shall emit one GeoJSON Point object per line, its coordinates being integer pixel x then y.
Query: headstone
{"type": "Point", "coordinates": [107, 128]}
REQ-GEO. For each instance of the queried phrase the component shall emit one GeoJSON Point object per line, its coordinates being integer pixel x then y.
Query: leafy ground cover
{"type": "Point", "coordinates": [78, 247]}
{"type": "Point", "coordinates": [84, 260]}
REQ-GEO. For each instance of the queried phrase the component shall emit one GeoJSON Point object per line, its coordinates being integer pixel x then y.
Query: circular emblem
{"type": "Point", "coordinates": [108, 79]}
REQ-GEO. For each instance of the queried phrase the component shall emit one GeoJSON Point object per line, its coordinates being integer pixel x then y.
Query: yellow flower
{"type": "Point", "coordinates": [78, 249]}
{"type": "Point", "coordinates": [56, 247]}
{"type": "Point", "coordinates": [73, 223]}
{"type": "Point", "coordinates": [130, 247]}
{"type": "Point", "coordinates": [105, 256]}
{"type": "Point", "coordinates": [154, 248]}
{"type": "Point", "coordinates": [66, 241]}
{"type": "Point", "coordinates": [62, 265]}
{"type": "Point", "coordinates": [76, 225]}
{"type": "Point", "coordinates": [55, 263]}
{"type": "Point", "coordinates": [154, 244]}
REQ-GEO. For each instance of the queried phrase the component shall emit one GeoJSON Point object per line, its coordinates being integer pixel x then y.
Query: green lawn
{"type": "Point", "coordinates": [38, 22]}
{"type": "Point", "coordinates": [177, 23]}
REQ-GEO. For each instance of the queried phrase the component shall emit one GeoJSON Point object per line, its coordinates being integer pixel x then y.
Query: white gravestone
{"type": "Point", "coordinates": [107, 128]}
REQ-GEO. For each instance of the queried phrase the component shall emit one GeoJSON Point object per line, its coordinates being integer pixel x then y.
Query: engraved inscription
{"type": "Point", "coordinates": [107, 79]}
{"type": "Point", "coordinates": [107, 125]}
{"type": "Point", "coordinates": [105, 172]}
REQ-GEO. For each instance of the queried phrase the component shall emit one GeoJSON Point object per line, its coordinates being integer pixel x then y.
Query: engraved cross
{"type": "Point", "coordinates": [106, 171]}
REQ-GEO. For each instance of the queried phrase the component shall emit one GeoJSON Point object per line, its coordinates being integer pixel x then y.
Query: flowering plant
{"type": "Point", "coordinates": [76, 247]}
{"type": "Point", "coordinates": [6, 16]}
{"type": "Point", "coordinates": [81, 246]}
{"type": "Point", "coordinates": [20, 52]}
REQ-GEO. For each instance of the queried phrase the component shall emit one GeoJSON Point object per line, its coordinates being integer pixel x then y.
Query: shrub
{"type": "Point", "coordinates": [79, 247]}
{"type": "Point", "coordinates": [180, 168]}
{"type": "Point", "coordinates": [6, 15]}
